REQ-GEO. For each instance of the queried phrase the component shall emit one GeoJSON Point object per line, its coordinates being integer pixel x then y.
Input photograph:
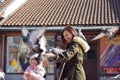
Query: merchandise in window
{"type": "Point", "coordinates": [17, 53]}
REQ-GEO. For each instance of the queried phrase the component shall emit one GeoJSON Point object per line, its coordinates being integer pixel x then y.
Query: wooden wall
{"type": "Point", "coordinates": [90, 67]}
{"type": "Point", "coordinates": [1, 49]}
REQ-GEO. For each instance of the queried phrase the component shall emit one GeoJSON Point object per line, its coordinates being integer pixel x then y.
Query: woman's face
{"type": "Point", "coordinates": [67, 36]}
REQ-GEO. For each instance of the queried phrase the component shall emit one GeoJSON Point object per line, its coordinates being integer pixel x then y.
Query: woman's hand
{"type": "Point", "coordinates": [45, 61]}
{"type": "Point", "coordinates": [50, 55]}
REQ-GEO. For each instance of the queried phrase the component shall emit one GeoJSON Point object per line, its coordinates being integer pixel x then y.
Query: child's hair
{"type": "Point", "coordinates": [35, 58]}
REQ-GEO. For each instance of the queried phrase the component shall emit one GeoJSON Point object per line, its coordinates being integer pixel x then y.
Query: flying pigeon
{"type": "Point", "coordinates": [81, 35]}
{"type": "Point", "coordinates": [32, 39]}
{"type": "Point", "coordinates": [111, 33]}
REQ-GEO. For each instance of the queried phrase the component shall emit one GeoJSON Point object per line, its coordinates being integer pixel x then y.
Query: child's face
{"type": "Point", "coordinates": [33, 62]}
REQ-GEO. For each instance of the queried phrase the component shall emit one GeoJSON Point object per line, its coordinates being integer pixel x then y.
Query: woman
{"type": "Point", "coordinates": [72, 58]}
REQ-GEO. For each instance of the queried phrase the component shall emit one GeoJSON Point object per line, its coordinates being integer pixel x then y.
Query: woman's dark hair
{"type": "Point", "coordinates": [71, 30]}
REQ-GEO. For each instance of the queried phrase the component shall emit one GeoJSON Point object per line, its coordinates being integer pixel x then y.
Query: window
{"type": "Point", "coordinates": [16, 54]}
{"type": "Point", "coordinates": [50, 45]}
{"type": "Point", "coordinates": [50, 42]}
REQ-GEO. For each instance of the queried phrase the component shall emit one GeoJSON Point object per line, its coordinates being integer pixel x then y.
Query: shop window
{"type": "Point", "coordinates": [50, 45]}
{"type": "Point", "coordinates": [50, 42]}
{"type": "Point", "coordinates": [17, 54]}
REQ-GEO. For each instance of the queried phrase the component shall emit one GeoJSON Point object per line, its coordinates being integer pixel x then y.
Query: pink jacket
{"type": "Point", "coordinates": [36, 73]}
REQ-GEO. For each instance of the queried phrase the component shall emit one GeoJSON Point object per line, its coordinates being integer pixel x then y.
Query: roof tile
{"type": "Point", "coordinates": [62, 12]}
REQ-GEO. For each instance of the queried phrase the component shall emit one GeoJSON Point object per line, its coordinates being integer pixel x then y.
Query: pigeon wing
{"type": "Point", "coordinates": [41, 31]}
{"type": "Point", "coordinates": [114, 29]}
{"type": "Point", "coordinates": [33, 36]}
{"type": "Point", "coordinates": [25, 31]}
{"type": "Point", "coordinates": [36, 34]}
{"type": "Point", "coordinates": [26, 36]}
{"type": "Point", "coordinates": [81, 35]}
{"type": "Point", "coordinates": [98, 36]}
{"type": "Point", "coordinates": [42, 43]}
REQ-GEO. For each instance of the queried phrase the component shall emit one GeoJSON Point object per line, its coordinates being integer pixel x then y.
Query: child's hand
{"type": "Point", "coordinates": [27, 74]}
{"type": "Point", "coordinates": [31, 73]}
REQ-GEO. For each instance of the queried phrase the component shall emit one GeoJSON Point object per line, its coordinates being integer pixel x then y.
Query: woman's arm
{"type": "Point", "coordinates": [71, 50]}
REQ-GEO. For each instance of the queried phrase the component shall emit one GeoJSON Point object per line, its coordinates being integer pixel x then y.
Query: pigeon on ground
{"type": "Point", "coordinates": [2, 75]}
{"type": "Point", "coordinates": [33, 39]}
{"type": "Point", "coordinates": [111, 33]}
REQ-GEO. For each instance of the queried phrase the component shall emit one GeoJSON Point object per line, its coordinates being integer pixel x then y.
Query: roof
{"type": "Point", "coordinates": [63, 12]}
{"type": "Point", "coordinates": [3, 4]}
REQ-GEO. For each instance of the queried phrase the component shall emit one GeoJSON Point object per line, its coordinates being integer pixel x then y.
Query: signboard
{"type": "Point", "coordinates": [110, 56]}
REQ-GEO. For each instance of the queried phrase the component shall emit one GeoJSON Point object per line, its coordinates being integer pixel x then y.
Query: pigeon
{"type": "Point", "coordinates": [81, 35]}
{"type": "Point", "coordinates": [2, 75]}
{"type": "Point", "coordinates": [33, 39]}
{"type": "Point", "coordinates": [111, 33]}
{"type": "Point", "coordinates": [117, 76]}
{"type": "Point", "coordinates": [57, 51]}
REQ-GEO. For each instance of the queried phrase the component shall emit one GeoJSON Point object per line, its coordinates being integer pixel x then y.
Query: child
{"type": "Point", "coordinates": [35, 71]}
